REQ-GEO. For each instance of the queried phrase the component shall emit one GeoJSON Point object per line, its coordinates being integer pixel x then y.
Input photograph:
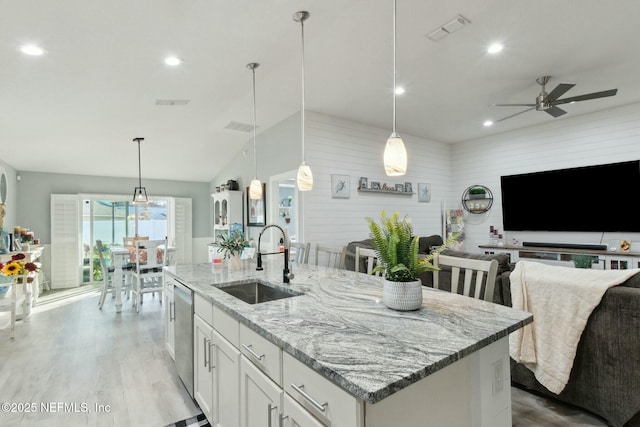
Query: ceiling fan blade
{"type": "Point", "coordinates": [555, 111]}
{"type": "Point", "coordinates": [513, 115]}
{"type": "Point", "coordinates": [558, 91]}
{"type": "Point", "coordinates": [585, 97]}
{"type": "Point", "coordinates": [513, 105]}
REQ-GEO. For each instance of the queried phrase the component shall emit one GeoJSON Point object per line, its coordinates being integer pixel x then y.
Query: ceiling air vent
{"type": "Point", "coordinates": [242, 127]}
{"type": "Point", "coordinates": [450, 27]}
{"type": "Point", "coordinates": [172, 102]}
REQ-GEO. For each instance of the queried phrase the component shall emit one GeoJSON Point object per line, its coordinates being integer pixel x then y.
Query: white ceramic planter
{"type": "Point", "coordinates": [402, 296]}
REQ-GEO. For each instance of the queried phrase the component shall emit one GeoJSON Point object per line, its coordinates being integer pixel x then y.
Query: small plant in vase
{"type": "Point", "coordinates": [232, 247]}
{"type": "Point", "coordinates": [397, 251]}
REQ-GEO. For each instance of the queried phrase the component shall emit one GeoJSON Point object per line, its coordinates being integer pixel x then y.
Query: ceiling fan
{"type": "Point", "coordinates": [548, 102]}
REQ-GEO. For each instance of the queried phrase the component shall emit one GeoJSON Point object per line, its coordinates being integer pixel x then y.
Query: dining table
{"type": "Point", "coordinates": [121, 260]}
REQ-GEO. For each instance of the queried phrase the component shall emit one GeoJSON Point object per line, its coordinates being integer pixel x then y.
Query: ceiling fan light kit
{"type": "Point", "coordinates": [548, 102]}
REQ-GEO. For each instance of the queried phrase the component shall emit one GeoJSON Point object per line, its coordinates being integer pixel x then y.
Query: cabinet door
{"type": "Point", "coordinates": [202, 369]}
{"type": "Point", "coordinates": [296, 416]}
{"type": "Point", "coordinates": [226, 382]}
{"type": "Point", "coordinates": [260, 398]}
{"type": "Point", "coordinates": [169, 323]}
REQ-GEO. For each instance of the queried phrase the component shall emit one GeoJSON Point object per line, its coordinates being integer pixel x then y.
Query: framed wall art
{"type": "Point", "coordinates": [424, 192]}
{"type": "Point", "coordinates": [340, 186]}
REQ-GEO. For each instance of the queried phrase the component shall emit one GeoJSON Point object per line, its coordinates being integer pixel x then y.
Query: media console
{"type": "Point", "coordinates": [602, 258]}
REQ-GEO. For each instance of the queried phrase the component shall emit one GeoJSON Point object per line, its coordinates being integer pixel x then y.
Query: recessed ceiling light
{"type": "Point", "coordinates": [31, 49]}
{"type": "Point", "coordinates": [173, 61]}
{"type": "Point", "coordinates": [488, 123]}
{"type": "Point", "coordinates": [400, 90]}
{"type": "Point", "coordinates": [495, 48]}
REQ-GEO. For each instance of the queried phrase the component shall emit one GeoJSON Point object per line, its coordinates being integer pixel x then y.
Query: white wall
{"type": "Point", "coordinates": [337, 146]}
{"type": "Point", "coordinates": [605, 137]}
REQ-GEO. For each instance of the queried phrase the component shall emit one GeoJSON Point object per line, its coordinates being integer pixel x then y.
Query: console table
{"type": "Point", "coordinates": [604, 260]}
{"type": "Point", "coordinates": [30, 292]}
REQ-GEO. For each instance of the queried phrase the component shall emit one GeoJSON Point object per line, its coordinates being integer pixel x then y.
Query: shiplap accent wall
{"type": "Point", "coordinates": [338, 146]}
{"type": "Point", "coordinates": [608, 136]}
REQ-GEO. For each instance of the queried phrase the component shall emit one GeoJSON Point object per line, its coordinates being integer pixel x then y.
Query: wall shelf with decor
{"type": "Point", "coordinates": [477, 199]}
{"type": "Point", "coordinates": [399, 193]}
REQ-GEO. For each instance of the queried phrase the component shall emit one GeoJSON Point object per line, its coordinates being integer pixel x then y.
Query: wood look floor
{"type": "Point", "coordinates": [71, 353]}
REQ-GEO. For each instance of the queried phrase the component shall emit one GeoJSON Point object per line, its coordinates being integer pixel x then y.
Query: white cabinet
{"type": "Point", "coordinates": [226, 382]}
{"type": "Point", "coordinates": [202, 366]}
{"type": "Point", "coordinates": [260, 398]}
{"type": "Point", "coordinates": [169, 317]}
{"type": "Point", "coordinates": [319, 396]}
{"type": "Point", "coordinates": [227, 209]}
{"type": "Point", "coordinates": [216, 364]}
{"type": "Point", "coordinates": [296, 416]}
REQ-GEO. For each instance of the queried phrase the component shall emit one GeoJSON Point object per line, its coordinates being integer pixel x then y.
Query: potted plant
{"type": "Point", "coordinates": [232, 246]}
{"type": "Point", "coordinates": [397, 251]}
{"type": "Point", "coordinates": [477, 193]}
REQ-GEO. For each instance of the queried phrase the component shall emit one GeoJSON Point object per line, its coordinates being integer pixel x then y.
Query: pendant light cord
{"type": "Point", "coordinates": [394, 66]}
{"type": "Point", "coordinates": [139, 166]}
{"type": "Point", "coordinates": [255, 158]}
{"type": "Point", "coordinates": [302, 113]}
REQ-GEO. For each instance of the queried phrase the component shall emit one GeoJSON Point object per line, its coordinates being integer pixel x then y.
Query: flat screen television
{"type": "Point", "coordinates": [592, 198]}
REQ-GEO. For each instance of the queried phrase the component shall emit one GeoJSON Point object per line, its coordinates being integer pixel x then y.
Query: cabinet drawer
{"type": "Point", "coordinates": [203, 308]}
{"type": "Point", "coordinates": [227, 326]}
{"type": "Point", "coordinates": [330, 403]}
{"type": "Point", "coordinates": [263, 353]}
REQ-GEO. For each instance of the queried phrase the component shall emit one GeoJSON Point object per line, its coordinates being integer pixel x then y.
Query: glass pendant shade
{"type": "Point", "coordinates": [305, 178]}
{"type": "Point", "coordinates": [395, 156]}
{"type": "Point", "coordinates": [255, 189]}
{"type": "Point", "coordinates": [140, 195]}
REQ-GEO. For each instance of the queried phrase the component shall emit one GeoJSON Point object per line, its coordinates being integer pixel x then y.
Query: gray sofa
{"type": "Point", "coordinates": [605, 378]}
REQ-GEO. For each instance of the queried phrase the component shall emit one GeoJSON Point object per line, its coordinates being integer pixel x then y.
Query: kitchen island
{"type": "Point", "coordinates": [446, 364]}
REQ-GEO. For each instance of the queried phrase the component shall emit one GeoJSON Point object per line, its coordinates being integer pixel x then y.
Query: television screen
{"type": "Point", "coordinates": [592, 198]}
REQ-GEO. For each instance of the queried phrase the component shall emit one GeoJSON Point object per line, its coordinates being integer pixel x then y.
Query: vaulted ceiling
{"type": "Point", "coordinates": [76, 108]}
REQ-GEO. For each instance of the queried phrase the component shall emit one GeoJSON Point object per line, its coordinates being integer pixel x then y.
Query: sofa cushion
{"type": "Point", "coordinates": [425, 243]}
{"type": "Point", "coordinates": [503, 259]}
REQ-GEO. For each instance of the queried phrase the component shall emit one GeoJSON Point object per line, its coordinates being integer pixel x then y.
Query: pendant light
{"type": "Point", "coordinates": [255, 188]}
{"type": "Point", "coordinates": [395, 154]}
{"type": "Point", "coordinates": [139, 193]}
{"type": "Point", "coordinates": [305, 177]}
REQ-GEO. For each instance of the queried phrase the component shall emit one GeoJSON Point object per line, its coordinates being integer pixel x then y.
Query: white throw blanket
{"type": "Point", "coordinates": [561, 300]}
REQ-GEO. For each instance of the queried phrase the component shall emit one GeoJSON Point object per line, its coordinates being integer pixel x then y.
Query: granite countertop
{"type": "Point", "coordinates": [341, 329]}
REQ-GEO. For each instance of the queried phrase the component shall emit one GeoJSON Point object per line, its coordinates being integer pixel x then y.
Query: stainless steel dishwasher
{"type": "Point", "coordinates": [183, 300]}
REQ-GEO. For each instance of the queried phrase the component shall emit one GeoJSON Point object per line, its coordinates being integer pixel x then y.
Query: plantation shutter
{"type": "Point", "coordinates": [66, 250]}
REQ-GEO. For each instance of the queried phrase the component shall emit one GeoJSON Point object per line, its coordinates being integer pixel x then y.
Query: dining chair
{"type": "Point", "coordinates": [130, 242]}
{"type": "Point", "coordinates": [301, 253]}
{"type": "Point", "coordinates": [107, 275]}
{"type": "Point", "coordinates": [333, 255]}
{"type": "Point", "coordinates": [147, 272]}
{"type": "Point", "coordinates": [484, 271]}
{"type": "Point", "coordinates": [370, 258]}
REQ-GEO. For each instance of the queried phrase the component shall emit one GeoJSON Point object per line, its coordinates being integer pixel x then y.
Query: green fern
{"type": "Point", "coordinates": [397, 248]}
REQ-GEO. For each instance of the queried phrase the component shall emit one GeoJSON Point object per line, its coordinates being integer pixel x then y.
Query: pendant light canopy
{"type": "Point", "coordinates": [395, 154]}
{"type": "Point", "coordinates": [305, 177]}
{"type": "Point", "coordinates": [255, 188]}
{"type": "Point", "coordinates": [139, 193]}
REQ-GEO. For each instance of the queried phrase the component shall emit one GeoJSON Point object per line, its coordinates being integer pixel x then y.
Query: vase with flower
{"type": "Point", "coordinates": [232, 247]}
{"type": "Point", "coordinates": [19, 270]}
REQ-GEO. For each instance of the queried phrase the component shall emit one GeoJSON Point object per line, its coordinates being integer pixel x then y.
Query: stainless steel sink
{"type": "Point", "coordinates": [256, 292]}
